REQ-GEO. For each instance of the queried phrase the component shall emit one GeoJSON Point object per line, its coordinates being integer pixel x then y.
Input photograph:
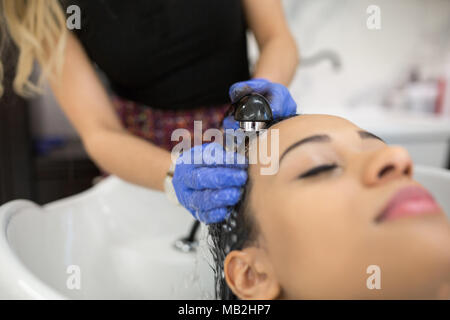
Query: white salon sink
{"type": "Point", "coordinates": [121, 237]}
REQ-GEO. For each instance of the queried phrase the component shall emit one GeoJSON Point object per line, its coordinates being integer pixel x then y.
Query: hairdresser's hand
{"type": "Point", "coordinates": [280, 99]}
{"type": "Point", "coordinates": [211, 185]}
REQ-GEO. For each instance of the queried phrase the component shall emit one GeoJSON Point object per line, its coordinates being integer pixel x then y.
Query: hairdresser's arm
{"type": "Point", "coordinates": [87, 105]}
{"type": "Point", "coordinates": [278, 58]}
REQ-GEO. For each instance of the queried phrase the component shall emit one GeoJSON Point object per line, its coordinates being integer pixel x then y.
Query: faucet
{"type": "Point", "coordinates": [188, 243]}
{"type": "Point", "coordinates": [322, 55]}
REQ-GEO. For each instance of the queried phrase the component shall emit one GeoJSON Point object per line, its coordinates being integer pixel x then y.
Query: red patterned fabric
{"type": "Point", "coordinates": [157, 125]}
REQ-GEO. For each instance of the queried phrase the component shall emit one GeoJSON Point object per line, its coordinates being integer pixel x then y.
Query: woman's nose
{"type": "Point", "coordinates": [388, 164]}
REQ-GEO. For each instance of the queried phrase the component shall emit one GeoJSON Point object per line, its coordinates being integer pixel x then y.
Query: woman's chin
{"type": "Point", "coordinates": [429, 246]}
{"type": "Point", "coordinates": [431, 224]}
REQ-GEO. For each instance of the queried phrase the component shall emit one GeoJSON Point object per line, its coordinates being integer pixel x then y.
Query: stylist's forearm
{"type": "Point", "coordinates": [278, 60]}
{"type": "Point", "coordinates": [85, 102]}
{"type": "Point", "coordinates": [129, 157]}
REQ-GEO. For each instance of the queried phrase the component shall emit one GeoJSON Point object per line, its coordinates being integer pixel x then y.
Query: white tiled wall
{"type": "Point", "coordinates": [412, 32]}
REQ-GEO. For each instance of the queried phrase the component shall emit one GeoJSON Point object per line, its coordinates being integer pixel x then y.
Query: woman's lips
{"type": "Point", "coordinates": [409, 201]}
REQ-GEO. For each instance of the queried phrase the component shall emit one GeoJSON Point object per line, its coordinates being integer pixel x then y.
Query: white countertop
{"type": "Point", "coordinates": [393, 125]}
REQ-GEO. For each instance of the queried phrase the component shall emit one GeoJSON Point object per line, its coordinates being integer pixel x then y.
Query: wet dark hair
{"type": "Point", "coordinates": [235, 233]}
{"type": "Point", "coordinates": [238, 231]}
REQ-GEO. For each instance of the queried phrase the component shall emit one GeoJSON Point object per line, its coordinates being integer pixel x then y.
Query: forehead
{"type": "Point", "coordinates": [299, 127]}
{"type": "Point", "coordinates": [305, 125]}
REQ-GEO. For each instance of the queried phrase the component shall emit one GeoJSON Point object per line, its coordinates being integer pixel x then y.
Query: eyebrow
{"type": "Point", "coordinates": [315, 138]}
{"type": "Point", "coordinates": [368, 135]}
{"type": "Point", "coordinates": [325, 138]}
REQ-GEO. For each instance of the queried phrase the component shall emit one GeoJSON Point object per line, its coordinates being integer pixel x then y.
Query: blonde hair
{"type": "Point", "coordinates": [38, 28]}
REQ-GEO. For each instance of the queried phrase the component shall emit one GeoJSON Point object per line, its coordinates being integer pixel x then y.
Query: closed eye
{"type": "Point", "coordinates": [318, 170]}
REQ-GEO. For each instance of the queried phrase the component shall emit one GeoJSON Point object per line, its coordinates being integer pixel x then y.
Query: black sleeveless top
{"type": "Point", "coordinates": [166, 53]}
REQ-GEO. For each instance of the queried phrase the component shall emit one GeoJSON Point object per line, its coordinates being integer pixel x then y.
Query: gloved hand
{"type": "Point", "coordinates": [210, 188]}
{"type": "Point", "coordinates": [278, 96]}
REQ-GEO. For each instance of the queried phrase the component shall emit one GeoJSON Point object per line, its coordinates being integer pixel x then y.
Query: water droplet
{"type": "Point", "coordinates": [227, 248]}
{"type": "Point", "coordinates": [234, 238]}
{"type": "Point", "coordinates": [223, 274]}
{"type": "Point", "coordinates": [233, 223]}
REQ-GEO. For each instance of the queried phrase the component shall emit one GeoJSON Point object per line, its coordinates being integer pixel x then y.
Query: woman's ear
{"type": "Point", "coordinates": [250, 275]}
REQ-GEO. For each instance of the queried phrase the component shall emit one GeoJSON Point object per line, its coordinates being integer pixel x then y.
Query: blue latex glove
{"type": "Point", "coordinates": [209, 189]}
{"type": "Point", "coordinates": [278, 96]}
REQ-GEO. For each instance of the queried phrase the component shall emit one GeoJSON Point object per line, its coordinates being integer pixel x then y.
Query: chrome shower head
{"type": "Point", "coordinates": [253, 112]}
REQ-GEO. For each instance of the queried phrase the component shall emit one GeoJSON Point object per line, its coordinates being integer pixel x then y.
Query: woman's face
{"type": "Point", "coordinates": [341, 202]}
